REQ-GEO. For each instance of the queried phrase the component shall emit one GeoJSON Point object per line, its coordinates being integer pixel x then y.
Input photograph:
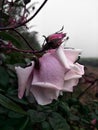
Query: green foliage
{"type": "Point", "coordinates": [46, 125]}
{"type": "Point", "coordinates": [57, 122]}
{"type": "Point", "coordinates": [6, 102]}
{"type": "Point", "coordinates": [36, 116]}
{"type": "Point", "coordinates": [4, 77]}
{"type": "Point", "coordinates": [32, 39]}
{"type": "Point", "coordinates": [9, 37]}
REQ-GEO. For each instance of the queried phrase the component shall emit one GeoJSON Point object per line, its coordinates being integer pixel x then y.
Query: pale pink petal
{"type": "Point", "coordinates": [78, 68]}
{"type": "Point", "coordinates": [23, 75]}
{"type": "Point", "coordinates": [72, 54]}
{"type": "Point", "coordinates": [75, 72]}
{"type": "Point", "coordinates": [44, 93]}
{"type": "Point", "coordinates": [48, 80]}
{"type": "Point", "coordinates": [69, 84]}
{"type": "Point", "coordinates": [62, 57]}
{"type": "Point", "coordinates": [72, 77]}
{"type": "Point", "coordinates": [51, 71]}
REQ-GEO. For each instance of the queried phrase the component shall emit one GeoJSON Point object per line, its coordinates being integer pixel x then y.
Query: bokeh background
{"type": "Point", "coordinates": [79, 18]}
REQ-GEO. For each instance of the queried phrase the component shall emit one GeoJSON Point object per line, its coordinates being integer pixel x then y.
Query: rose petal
{"type": "Point", "coordinates": [62, 57]}
{"type": "Point", "coordinates": [67, 56]}
{"type": "Point", "coordinates": [72, 54]}
{"type": "Point", "coordinates": [69, 84]}
{"type": "Point", "coordinates": [44, 93]}
{"type": "Point", "coordinates": [51, 71]}
{"type": "Point", "coordinates": [23, 75]}
{"type": "Point", "coordinates": [48, 80]}
{"type": "Point", "coordinates": [75, 72]}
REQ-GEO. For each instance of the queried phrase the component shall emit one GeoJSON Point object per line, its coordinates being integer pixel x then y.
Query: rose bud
{"type": "Point", "coordinates": [54, 41]}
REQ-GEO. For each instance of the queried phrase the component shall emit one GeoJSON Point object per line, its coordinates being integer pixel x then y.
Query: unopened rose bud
{"type": "Point", "coordinates": [54, 40]}
{"type": "Point", "coordinates": [58, 36]}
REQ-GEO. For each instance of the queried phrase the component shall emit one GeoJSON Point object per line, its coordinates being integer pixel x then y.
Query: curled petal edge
{"type": "Point", "coordinates": [44, 93]}
{"type": "Point", "coordinates": [23, 76]}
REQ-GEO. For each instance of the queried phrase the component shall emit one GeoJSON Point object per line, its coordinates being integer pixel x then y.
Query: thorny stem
{"type": "Point", "coordinates": [13, 48]}
{"type": "Point", "coordinates": [23, 38]}
{"type": "Point", "coordinates": [92, 83]}
{"type": "Point", "coordinates": [22, 24]}
{"type": "Point", "coordinates": [26, 51]}
{"type": "Point", "coordinates": [20, 50]}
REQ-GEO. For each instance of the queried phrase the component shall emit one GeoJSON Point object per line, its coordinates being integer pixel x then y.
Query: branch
{"type": "Point", "coordinates": [81, 94]}
{"type": "Point", "coordinates": [21, 24]}
{"type": "Point", "coordinates": [9, 47]}
{"type": "Point", "coordinates": [23, 39]}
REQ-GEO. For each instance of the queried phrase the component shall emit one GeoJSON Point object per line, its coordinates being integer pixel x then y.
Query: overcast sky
{"type": "Point", "coordinates": [80, 20]}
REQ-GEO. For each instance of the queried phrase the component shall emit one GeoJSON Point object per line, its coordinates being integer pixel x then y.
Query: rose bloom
{"type": "Point", "coordinates": [58, 72]}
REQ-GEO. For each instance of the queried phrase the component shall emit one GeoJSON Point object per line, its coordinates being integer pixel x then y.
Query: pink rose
{"type": "Point", "coordinates": [58, 72]}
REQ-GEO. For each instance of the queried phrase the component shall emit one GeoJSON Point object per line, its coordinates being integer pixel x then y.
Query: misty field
{"type": "Point", "coordinates": [93, 62]}
{"type": "Point", "coordinates": [91, 75]}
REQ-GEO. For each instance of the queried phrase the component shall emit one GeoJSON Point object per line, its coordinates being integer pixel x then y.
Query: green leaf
{"type": "Point", "coordinates": [13, 114]}
{"type": "Point", "coordinates": [93, 115]}
{"type": "Point", "coordinates": [46, 125]}
{"type": "Point", "coordinates": [9, 104]}
{"type": "Point", "coordinates": [24, 125]}
{"type": "Point", "coordinates": [85, 121]}
{"type": "Point", "coordinates": [2, 120]}
{"type": "Point", "coordinates": [4, 77]}
{"type": "Point", "coordinates": [7, 128]}
{"type": "Point", "coordinates": [64, 108]}
{"type": "Point", "coordinates": [74, 117]}
{"type": "Point", "coordinates": [10, 37]}
{"type": "Point", "coordinates": [14, 122]}
{"type": "Point", "coordinates": [36, 116]}
{"type": "Point", "coordinates": [83, 109]}
{"type": "Point", "coordinates": [96, 111]}
{"type": "Point", "coordinates": [73, 101]}
{"type": "Point", "coordinates": [14, 98]}
{"type": "Point", "coordinates": [3, 110]}
{"type": "Point", "coordinates": [57, 122]}
{"type": "Point", "coordinates": [75, 128]}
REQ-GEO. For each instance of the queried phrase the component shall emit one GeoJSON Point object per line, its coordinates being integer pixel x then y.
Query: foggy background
{"type": "Point", "coordinates": [80, 21]}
